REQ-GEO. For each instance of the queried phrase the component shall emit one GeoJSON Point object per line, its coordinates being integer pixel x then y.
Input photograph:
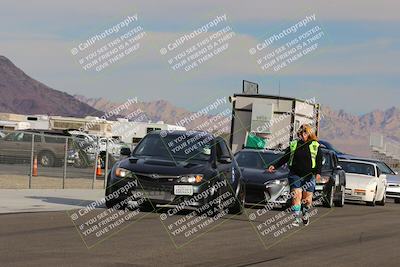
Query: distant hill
{"type": "Point", "coordinates": [21, 94]}
{"type": "Point", "coordinates": [351, 133]}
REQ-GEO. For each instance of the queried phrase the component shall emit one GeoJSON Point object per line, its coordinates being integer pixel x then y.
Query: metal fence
{"type": "Point", "coordinates": [38, 160]}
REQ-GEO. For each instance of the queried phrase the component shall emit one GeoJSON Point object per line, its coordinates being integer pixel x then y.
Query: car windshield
{"type": "Point", "coordinates": [172, 146]}
{"type": "Point", "coordinates": [256, 160]}
{"type": "Point", "coordinates": [384, 168]}
{"type": "Point", "coordinates": [359, 168]}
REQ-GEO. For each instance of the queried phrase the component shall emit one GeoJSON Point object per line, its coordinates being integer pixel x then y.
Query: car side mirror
{"type": "Point", "coordinates": [125, 151]}
{"type": "Point", "coordinates": [338, 167]}
{"type": "Point", "coordinates": [225, 160]}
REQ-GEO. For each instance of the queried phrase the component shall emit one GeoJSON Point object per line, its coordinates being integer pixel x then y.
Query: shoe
{"type": "Point", "coordinates": [296, 222]}
{"type": "Point", "coordinates": [305, 218]}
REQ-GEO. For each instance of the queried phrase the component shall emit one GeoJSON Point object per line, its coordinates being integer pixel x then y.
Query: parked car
{"type": "Point", "coordinates": [333, 180]}
{"type": "Point", "coordinates": [392, 177]}
{"type": "Point", "coordinates": [79, 155]}
{"type": "Point", "coordinates": [364, 182]}
{"type": "Point", "coordinates": [170, 176]}
{"type": "Point", "coordinates": [263, 187]}
{"type": "Point", "coordinates": [114, 145]}
{"type": "Point", "coordinates": [49, 147]}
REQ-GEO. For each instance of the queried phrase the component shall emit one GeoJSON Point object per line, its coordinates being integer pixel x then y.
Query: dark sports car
{"type": "Point", "coordinates": [185, 169]}
{"type": "Point", "coordinates": [263, 187]}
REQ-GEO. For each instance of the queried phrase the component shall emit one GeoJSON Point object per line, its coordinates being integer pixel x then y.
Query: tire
{"type": "Point", "coordinates": [340, 202]}
{"type": "Point", "coordinates": [81, 161]}
{"type": "Point", "coordinates": [328, 203]}
{"type": "Point", "coordinates": [46, 159]}
{"type": "Point", "coordinates": [238, 207]}
{"type": "Point", "coordinates": [397, 200]}
{"type": "Point", "coordinates": [373, 202]}
{"type": "Point", "coordinates": [111, 203]}
{"type": "Point", "coordinates": [383, 201]}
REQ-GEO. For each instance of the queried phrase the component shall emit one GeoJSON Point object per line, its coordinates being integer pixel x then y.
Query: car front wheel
{"type": "Point", "coordinates": [238, 207]}
{"type": "Point", "coordinates": [383, 201]}
{"type": "Point", "coordinates": [328, 199]}
{"type": "Point", "coordinates": [340, 202]}
{"type": "Point", "coordinates": [373, 202]}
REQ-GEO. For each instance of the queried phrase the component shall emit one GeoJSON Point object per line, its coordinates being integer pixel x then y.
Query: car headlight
{"type": "Point", "coordinates": [324, 179]}
{"type": "Point", "coordinates": [282, 182]}
{"type": "Point", "coordinates": [121, 172]}
{"type": "Point", "coordinates": [191, 178]}
{"type": "Point", "coordinates": [359, 192]}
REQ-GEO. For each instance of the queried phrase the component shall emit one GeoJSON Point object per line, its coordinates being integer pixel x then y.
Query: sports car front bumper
{"type": "Point", "coordinates": [393, 190]}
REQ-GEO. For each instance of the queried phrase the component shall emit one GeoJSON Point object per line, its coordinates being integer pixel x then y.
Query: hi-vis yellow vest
{"type": "Point", "coordinates": [313, 150]}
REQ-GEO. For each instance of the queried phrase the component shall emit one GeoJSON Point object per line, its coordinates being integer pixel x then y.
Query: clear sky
{"type": "Point", "coordinates": [355, 68]}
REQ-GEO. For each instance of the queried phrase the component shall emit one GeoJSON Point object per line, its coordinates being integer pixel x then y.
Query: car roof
{"type": "Point", "coordinates": [180, 132]}
{"type": "Point", "coordinates": [349, 157]}
{"type": "Point", "coordinates": [266, 151]}
{"type": "Point", "coordinates": [357, 161]}
{"type": "Point", "coordinates": [46, 132]}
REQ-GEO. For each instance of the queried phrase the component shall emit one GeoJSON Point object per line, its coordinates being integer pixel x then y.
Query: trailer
{"type": "Point", "coordinates": [268, 121]}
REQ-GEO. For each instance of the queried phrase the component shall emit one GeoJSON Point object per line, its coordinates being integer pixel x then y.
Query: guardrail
{"type": "Point", "coordinates": [38, 160]}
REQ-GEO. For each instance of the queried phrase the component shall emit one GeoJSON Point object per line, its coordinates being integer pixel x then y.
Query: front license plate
{"type": "Point", "coordinates": [183, 190]}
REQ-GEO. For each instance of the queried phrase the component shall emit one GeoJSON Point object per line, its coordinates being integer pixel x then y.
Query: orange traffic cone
{"type": "Point", "coordinates": [98, 169]}
{"type": "Point", "coordinates": [35, 167]}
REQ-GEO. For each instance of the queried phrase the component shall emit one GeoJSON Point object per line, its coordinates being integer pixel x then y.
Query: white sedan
{"type": "Point", "coordinates": [364, 182]}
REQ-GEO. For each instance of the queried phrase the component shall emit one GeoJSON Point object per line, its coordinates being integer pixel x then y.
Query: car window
{"type": "Point", "coordinates": [38, 138]}
{"type": "Point", "coordinates": [358, 168]}
{"type": "Point", "coordinates": [384, 168]}
{"type": "Point", "coordinates": [10, 137]}
{"type": "Point", "coordinates": [326, 161]}
{"type": "Point", "coordinates": [335, 161]}
{"type": "Point", "coordinates": [54, 139]}
{"type": "Point", "coordinates": [27, 137]}
{"type": "Point", "coordinates": [256, 160]}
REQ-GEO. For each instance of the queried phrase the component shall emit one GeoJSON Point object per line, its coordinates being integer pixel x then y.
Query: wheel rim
{"type": "Point", "coordinates": [331, 198]}
{"type": "Point", "coordinates": [342, 200]}
{"type": "Point", "coordinates": [45, 160]}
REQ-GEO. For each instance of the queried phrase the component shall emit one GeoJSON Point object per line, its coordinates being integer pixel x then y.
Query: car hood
{"type": "Point", "coordinates": [260, 176]}
{"type": "Point", "coordinates": [359, 180]}
{"type": "Point", "coordinates": [165, 167]}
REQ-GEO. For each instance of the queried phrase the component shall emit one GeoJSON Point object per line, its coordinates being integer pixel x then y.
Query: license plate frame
{"type": "Point", "coordinates": [183, 190]}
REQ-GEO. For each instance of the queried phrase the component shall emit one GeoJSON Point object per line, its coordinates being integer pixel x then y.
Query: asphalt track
{"type": "Point", "coordinates": [355, 235]}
